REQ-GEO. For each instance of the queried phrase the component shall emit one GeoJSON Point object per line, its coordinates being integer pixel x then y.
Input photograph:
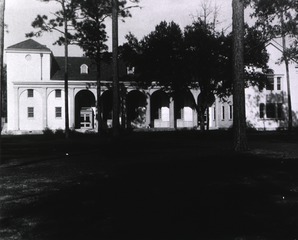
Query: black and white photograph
{"type": "Point", "coordinates": [148, 119]}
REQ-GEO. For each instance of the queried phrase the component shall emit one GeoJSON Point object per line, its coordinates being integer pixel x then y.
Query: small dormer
{"type": "Point", "coordinates": [84, 69]}
{"type": "Point", "coordinates": [130, 70]}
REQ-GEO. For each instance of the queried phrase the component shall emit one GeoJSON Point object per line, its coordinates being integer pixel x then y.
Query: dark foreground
{"type": "Point", "coordinates": [184, 185]}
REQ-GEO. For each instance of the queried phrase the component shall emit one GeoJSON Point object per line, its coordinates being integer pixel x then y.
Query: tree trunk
{"type": "Point", "coordinates": [202, 120]}
{"type": "Point", "coordinates": [239, 121]}
{"type": "Point", "coordinates": [284, 48]}
{"type": "Point", "coordinates": [124, 122]}
{"type": "Point", "coordinates": [98, 103]}
{"type": "Point", "coordinates": [116, 125]}
{"type": "Point", "coordinates": [207, 119]}
{"type": "Point", "coordinates": [66, 73]}
{"type": "Point", "coordinates": [2, 7]}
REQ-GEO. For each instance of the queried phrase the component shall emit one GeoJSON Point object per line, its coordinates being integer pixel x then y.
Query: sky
{"type": "Point", "coordinates": [19, 15]}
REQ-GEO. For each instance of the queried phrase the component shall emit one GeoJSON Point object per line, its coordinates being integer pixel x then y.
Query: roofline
{"type": "Point", "coordinates": [18, 50]}
{"type": "Point", "coordinates": [279, 48]}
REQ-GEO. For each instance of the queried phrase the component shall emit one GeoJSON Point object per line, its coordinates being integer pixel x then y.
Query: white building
{"type": "Point", "coordinates": [35, 90]}
{"type": "Point", "coordinates": [268, 109]}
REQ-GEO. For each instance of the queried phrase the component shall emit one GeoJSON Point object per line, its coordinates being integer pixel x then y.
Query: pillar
{"type": "Point", "coordinates": [172, 114]}
{"type": "Point", "coordinates": [71, 108]}
{"type": "Point", "coordinates": [148, 110]}
{"type": "Point", "coordinates": [44, 108]}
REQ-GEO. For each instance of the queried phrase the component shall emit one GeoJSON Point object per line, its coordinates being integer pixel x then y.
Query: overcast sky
{"type": "Point", "coordinates": [19, 15]}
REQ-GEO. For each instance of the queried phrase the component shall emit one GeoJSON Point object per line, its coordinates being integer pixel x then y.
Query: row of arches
{"type": "Point", "coordinates": [138, 108]}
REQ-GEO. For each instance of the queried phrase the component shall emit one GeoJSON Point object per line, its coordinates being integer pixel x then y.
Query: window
{"type": "Point", "coordinates": [270, 110]}
{"type": "Point", "coordinates": [273, 110]}
{"type": "Point", "coordinates": [278, 86]}
{"type": "Point", "coordinates": [230, 112]}
{"type": "Point", "coordinates": [28, 57]}
{"type": "Point", "coordinates": [270, 82]}
{"type": "Point", "coordinates": [130, 70]}
{"type": "Point", "coordinates": [262, 110]}
{"type": "Point", "coordinates": [58, 93]}
{"type": "Point", "coordinates": [280, 114]}
{"type": "Point", "coordinates": [30, 112]}
{"type": "Point", "coordinates": [30, 93]}
{"type": "Point", "coordinates": [223, 113]}
{"type": "Point", "coordinates": [214, 113]}
{"type": "Point", "coordinates": [84, 69]}
{"type": "Point", "coordinates": [58, 112]}
{"type": "Point", "coordinates": [159, 113]}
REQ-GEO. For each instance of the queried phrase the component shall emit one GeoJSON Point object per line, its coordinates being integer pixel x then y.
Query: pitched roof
{"type": "Point", "coordinates": [279, 48]}
{"type": "Point", "coordinates": [29, 44]}
{"type": "Point", "coordinates": [74, 64]}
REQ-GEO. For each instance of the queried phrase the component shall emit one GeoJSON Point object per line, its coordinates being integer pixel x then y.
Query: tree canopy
{"type": "Point", "coordinates": [270, 13]}
{"type": "Point", "coordinates": [199, 56]}
{"type": "Point", "coordinates": [278, 19]}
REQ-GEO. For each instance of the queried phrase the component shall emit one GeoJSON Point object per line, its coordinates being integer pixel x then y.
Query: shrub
{"type": "Point", "coordinates": [59, 132]}
{"type": "Point", "coordinates": [47, 131]}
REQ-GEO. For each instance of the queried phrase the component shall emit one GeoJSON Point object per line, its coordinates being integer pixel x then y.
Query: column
{"type": "Point", "coordinates": [148, 111]}
{"type": "Point", "coordinates": [195, 117]}
{"type": "Point", "coordinates": [17, 111]}
{"type": "Point", "coordinates": [44, 108]}
{"type": "Point", "coordinates": [172, 114]}
{"type": "Point", "coordinates": [71, 97]}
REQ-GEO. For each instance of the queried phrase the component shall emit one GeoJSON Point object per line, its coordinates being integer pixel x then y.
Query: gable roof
{"type": "Point", "coordinates": [279, 48]}
{"type": "Point", "coordinates": [74, 64]}
{"type": "Point", "coordinates": [29, 44]}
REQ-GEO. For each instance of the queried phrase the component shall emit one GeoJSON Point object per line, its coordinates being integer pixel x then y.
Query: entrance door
{"type": "Point", "coordinates": [86, 118]}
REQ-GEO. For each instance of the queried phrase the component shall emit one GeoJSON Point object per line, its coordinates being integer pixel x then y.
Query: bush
{"type": "Point", "coordinates": [59, 132]}
{"type": "Point", "coordinates": [48, 132]}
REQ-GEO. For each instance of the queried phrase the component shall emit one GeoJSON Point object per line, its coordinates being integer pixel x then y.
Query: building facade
{"type": "Point", "coordinates": [35, 90]}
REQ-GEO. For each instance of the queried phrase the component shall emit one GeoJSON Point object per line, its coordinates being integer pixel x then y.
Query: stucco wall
{"type": "Point", "coordinates": [54, 122]}
{"type": "Point", "coordinates": [25, 122]}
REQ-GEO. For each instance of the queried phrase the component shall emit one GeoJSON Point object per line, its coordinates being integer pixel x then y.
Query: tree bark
{"type": "Point", "coordinates": [116, 124]}
{"type": "Point", "coordinates": [98, 103]}
{"type": "Point", "coordinates": [239, 120]}
{"type": "Point", "coordinates": [66, 72]}
{"type": "Point", "coordinates": [2, 7]}
{"type": "Point", "coordinates": [284, 48]}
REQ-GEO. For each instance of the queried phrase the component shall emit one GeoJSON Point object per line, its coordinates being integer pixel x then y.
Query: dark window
{"type": "Point", "coordinates": [262, 110]}
{"type": "Point", "coordinates": [270, 82]}
{"type": "Point", "coordinates": [280, 114]}
{"type": "Point", "coordinates": [82, 119]}
{"type": "Point", "coordinates": [58, 93]}
{"type": "Point", "coordinates": [30, 93]}
{"type": "Point", "coordinates": [223, 113]}
{"type": "Point", "coordinates": [30, 112]}
{"type": "Point", "coordinates": [159, 113]}
{"type": "Point", "coordinates": [278, 86]}
{"type": "Point", "coordinates": [231, 112]}
{"type": "Point", "coordinates": [58, 112]}
{"type": "Point", "coordinates": [270, 110]}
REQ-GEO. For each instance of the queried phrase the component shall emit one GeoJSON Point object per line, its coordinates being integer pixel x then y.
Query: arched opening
{"type": "Point", "coordinates": [84, 109]}
{"type": "Point", "coordinates": [136, 109]}
{"type": "Point", "coordinates": [205, 102]}
{"type": "Point", "coordinates": [184, 110]}
{"type": "Point", "coordinates": [106, 100]}
{"type": "Point", "coordinates": [160, 109]}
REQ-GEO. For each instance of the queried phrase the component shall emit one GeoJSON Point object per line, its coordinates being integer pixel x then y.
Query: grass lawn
{"type": "Point", "coordinates": [149, 185]}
